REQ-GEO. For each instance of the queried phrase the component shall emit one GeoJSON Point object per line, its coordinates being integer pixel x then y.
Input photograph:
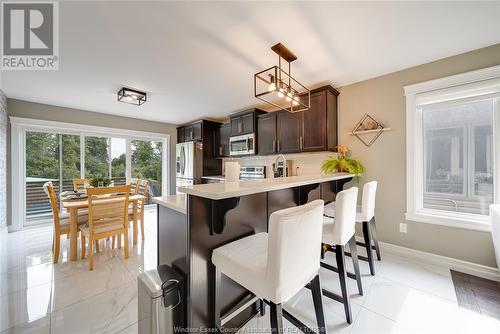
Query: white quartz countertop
{"type": "Point", "coordinates": [174, 202]}
{"type": "Point", "coordinates": [215, 177]}
{"type": "Point", "coordinates": [249, 187]}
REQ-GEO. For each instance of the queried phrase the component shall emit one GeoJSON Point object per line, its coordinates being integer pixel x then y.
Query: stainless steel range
{"type": "Point", "coordinates": [252, 172]}
{"type": "Point", "coordinates": [246, 173]}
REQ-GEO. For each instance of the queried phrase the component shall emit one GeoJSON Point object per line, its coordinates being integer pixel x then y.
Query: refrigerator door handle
{"type": "Point", "coordinates": [183, 160]}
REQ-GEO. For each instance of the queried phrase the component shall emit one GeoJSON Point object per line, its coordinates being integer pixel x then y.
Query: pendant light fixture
{"type": "Point", "coordinates": [277, 87]}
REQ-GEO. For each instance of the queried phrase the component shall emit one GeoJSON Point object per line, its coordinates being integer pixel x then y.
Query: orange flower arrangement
{"type": "Point", "coordinates": [342, 151]}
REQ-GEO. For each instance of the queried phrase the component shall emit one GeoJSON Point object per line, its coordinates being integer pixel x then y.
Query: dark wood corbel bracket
{"type": "Point", "coordinates": [219, 209]}
{"type": "Point", "coordinates": [304, 193]}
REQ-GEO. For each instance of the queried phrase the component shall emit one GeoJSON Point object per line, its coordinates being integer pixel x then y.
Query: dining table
{"type": "Point", "coordinates": [73, 205]}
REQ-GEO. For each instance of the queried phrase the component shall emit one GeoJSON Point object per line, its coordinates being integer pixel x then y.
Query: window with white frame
{"type": "Point", "coordinates": [452, 132]}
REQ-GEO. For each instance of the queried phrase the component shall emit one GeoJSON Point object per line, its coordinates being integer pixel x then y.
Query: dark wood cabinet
{"type": "Point", "coordinates": [193, 132]}
{"type": "Point", "coordinates": [244, 122]}
{"type": "Point", "coordinates": [180, 135]}
{"type": "Point", "coordinates": [289, 131]}
{"type": "Point", "coordinates": [203, 131]}
{"type": "Point", "coordinates": [221, 140]}
{"type": "Point", "coordinates": [314, 124]}
{"type": "Point", "coordinates": [190, 132]}
{"type": "Point", "coordinates": [307, 131]}
{"type": "Point", "coordinates": [266, 140]}
{"type": "Point", "coordinates": [248, 123]}
{"type": "Point", "coordinates": [235, 124]}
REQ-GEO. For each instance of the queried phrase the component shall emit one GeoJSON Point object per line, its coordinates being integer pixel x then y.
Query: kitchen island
{"type": "Point", "coordinates": [216, 214]}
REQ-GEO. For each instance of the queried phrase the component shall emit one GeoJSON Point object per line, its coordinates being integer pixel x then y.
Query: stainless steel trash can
{"type": "Point", "coordinates": [160, 301]}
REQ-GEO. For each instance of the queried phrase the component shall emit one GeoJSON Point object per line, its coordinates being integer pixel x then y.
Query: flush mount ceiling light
{"type": "Point", "coordinates": [277, 87]}
{"type": "Point", "coordinates": [131, 96]}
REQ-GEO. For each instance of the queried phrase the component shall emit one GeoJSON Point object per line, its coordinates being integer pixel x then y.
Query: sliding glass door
{"type": "Point", "coordinates": [62, 157]}
{"type": "Point", "coordinates": [49, 157]}
{"type": "Point", "coordinates": [96, 157]}
{"type": "Point", "coordinates": [147, 164]}
{"type": "Point", "coordinates": [42, 165]}
{"type": "Point", "coordinates": [70, 160]}
{"type": "Point", "coordinates": [118, 153]}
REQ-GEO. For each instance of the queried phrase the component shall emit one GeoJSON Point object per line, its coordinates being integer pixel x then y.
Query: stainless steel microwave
{"type": "Point", "coordinates": [242, 145]}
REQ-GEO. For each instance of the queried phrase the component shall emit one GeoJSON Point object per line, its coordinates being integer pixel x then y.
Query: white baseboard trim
{"type": "Point", "coordinates": [442, 261]}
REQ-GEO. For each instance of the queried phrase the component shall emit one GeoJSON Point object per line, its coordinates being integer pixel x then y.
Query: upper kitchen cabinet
{"type": "Point", "coordinates": [196, 131]}
{"type": "Point", "coordinates": [288, 132]}
{"type": "Point", "coordinates": [244, 122]}
{"type": "Point", "coordinates": [266, 140]}
{"type": "Point", "coordinates": [193, 132]}
{"type": "Point", "coordinates": [221, 140]}
{"type": "Point", "coordinates": [180, 135]}
{"type": "Point", "coordinates": [319, 123]}
{"type": "Point", "coordinates": [306, 131]}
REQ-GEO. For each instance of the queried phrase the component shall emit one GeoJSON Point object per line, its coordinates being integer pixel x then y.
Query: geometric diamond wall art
{"type": "Point", "coordinates": [367, 130]}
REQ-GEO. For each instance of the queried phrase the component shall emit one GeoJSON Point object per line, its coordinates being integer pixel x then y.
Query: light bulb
{"type": "Point", "coordinates": [281, 92]}
{"type": "Point", "coordinates": [295, 101]}
{"type": "Point", "coordinates": [289, 95]}
{"type": "Point", "coordinates": [272, 85]}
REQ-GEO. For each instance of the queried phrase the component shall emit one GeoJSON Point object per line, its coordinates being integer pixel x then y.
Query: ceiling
{"type": "Point", "coordinates": [198, 59]}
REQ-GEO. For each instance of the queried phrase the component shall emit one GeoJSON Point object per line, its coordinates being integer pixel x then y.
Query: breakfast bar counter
{"type": "Point", "coordinates": [207, 216]}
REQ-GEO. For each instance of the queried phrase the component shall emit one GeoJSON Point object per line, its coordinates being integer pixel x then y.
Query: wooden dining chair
{"type": "Point", "coordinates": [133, 183]}
{"type": "Point", "coordinates": [61, 221]}
{"type": "Point", "coordinates": [80, 184]}
{"type": "Point", "coordinates": [142, 189]}
{"type": "Point", "coordinates": [108, 217]}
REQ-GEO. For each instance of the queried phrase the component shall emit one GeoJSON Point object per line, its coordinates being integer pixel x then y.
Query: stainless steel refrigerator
{"type": "Point", "coordinates": [189, 163]}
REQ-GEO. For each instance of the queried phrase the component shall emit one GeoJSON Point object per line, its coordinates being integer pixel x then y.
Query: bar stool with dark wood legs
{"type": "Point", "coordinates": [336, 234]}
{"type": "Point", "coordinates": [365, 215]}
{"type": "Point", "coordinates": [275, 266]}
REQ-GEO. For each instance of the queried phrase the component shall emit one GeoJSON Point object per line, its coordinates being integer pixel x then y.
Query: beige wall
{"type": "Point", "coordinates": [385, 160]}
{"type": "Point", "coordinates": [26, 109]}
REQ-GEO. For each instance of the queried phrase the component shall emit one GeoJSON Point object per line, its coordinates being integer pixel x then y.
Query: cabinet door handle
{"type": "Point", "coordinates": [240, 127]}
{"type": "Point", "coordinates": [274, 145]}
{"type": "Point", "coordinates": [278, 146]}
{"type": "Point", "coordinates": [220, 150]}
{"type": "Point", "coordinates": [301, 142]}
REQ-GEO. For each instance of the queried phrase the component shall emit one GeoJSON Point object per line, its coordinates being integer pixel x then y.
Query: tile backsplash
{"type": "Point", "coordinates": [302, 163]}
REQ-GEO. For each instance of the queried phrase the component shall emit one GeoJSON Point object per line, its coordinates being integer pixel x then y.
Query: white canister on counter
{"type": "Point", "coordinates": [232, 169]}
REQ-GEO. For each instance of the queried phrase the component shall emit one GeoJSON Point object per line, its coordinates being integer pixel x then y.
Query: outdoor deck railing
{"type": "Point", "coordinates": [37, 202]}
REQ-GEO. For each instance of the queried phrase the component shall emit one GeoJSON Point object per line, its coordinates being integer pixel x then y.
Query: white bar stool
{"type": "Point", "coordinates": [366, 216]}
{"type": "Point", "coordinates": [275, 266]}
{"type": "Point", "coordinates": [336, 234]}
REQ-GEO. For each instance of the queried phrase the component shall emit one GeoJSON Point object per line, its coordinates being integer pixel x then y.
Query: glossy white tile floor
{"type": "Point", "coordinates": [39, 297]}
{"type": "Point", "coordinates": [403, 297]}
